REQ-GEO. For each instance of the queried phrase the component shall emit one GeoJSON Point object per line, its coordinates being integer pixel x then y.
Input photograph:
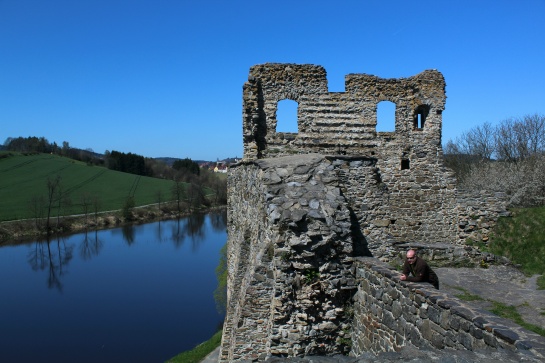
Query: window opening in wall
{"type": "Point", "coordinates": [386, 116]}
{"type": "Point", "coordinates": [420, 115]}
{"type": "Point", "coordinates": [405, 164]}
{"type": "Point", "coordinates": [286, 116]}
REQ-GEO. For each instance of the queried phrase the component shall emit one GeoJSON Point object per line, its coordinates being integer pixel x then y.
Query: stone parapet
{"type": "Point", "coordinates": [390, 314]}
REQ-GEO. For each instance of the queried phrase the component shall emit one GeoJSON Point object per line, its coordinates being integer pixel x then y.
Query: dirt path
{"type": "Point", "coordinates": [504, 284]}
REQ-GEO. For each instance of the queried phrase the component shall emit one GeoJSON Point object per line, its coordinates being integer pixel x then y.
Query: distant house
{"type": "Point", "coordinates": [220, 168]}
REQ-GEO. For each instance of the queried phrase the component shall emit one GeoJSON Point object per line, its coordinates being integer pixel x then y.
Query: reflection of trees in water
{"type": "Point", "coordinates": [218, 220]}
{"type": "Point", "coordinates": [159, 232]}
{"type": "Point", "coordinates": [177, 234]}
{"type": "Point", "coordinates": [128, 233]}
{"type": "Point", "coordinates": [90, 246]}
{"type": "Point", "coordinates": [52, 256]}
{"type": "Point", "coordinates": [194, 229]}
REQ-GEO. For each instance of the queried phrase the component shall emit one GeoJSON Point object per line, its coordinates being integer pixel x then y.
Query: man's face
{"type": "Point", "coordinates": [411, 257]}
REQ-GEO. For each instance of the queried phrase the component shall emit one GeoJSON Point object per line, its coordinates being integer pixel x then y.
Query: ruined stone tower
{"type": "Point", "coordinates": [407, 193]}
{"type": "Point", "coordinates": [303, 206]}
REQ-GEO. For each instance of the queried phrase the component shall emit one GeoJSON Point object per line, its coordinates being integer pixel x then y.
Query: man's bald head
{"type": "Point", "coordinates": [411, 256]}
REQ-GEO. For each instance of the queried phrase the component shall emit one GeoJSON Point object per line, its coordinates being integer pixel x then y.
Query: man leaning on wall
{"type": "Point", "coordinates": [416, 269]}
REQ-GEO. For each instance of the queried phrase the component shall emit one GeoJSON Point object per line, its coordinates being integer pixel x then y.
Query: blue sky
{"type": "Point", "coordinates": [164, 77]}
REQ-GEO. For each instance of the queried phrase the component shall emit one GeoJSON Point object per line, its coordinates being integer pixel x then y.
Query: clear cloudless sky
{"type": "Point", "coordinates": [164, 77]}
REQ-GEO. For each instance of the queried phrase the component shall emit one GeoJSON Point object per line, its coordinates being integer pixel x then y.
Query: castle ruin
{"type": "Point", "coordinates": [312, 215]}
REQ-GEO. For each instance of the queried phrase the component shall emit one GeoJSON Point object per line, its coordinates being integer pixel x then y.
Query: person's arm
{"type": "Point", "coordinates": [406, 269]}
{"type": "Point", "coordinates": [405, 272]}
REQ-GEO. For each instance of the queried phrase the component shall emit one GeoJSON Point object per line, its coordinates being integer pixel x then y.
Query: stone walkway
{"type": "Point", "coordinates": [213, 357]}
{"type": "Point", "coordinates": [504, 284]}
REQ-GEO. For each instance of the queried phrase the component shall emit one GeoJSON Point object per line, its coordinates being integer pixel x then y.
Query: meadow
{"type": "Point", "coordinates": [521, 238]}
{"type": "Point", "coordinates": [24, 178]}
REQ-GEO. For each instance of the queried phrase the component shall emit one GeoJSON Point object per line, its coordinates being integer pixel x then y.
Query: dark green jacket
{"type": "Point", "coordinates": [420, 272]}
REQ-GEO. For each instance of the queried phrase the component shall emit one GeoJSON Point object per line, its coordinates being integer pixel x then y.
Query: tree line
{"type": "Point", "coordinates": [114, 160]}
{"type": "Point", "coordinates": [508, 157]}
{"type": "Point", "coordinates": [127, 163]}
{"type": "Point", "coordinates": [185, 170]}
{"type": "Point", "coordinates": [33, 144]}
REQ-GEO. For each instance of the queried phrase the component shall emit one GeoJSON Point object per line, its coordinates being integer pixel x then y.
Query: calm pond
{"type": "Point", "coordinates": [141, 293]}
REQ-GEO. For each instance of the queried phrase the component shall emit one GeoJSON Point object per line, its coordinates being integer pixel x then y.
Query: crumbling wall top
{"type": "Point", "coordinates": [337, 122]}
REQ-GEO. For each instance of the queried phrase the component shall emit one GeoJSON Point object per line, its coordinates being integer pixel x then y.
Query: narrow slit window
{"type": "Point", "coordinates": [420, 115]}
{"type": "Point", "coordinates": [405, 164]}
{"type": "Point", "coordinates": [286, 116]}
{"type": "Point", "coordinates": [419, 121]}
{"type": "Point", "coordinates": [386, 116]}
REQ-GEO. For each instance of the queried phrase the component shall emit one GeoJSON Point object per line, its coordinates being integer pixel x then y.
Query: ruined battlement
{"type": "Point", "coordinates": [341, 123]}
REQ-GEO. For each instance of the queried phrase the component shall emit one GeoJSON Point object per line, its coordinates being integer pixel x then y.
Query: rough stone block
{"type": "Point", "coordinates": [507, 335]}
{"type": "Point", "coordinates": [466, 340]}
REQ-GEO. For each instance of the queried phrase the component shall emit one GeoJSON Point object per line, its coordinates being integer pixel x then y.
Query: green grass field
{"type": "Point", "coordinates": [198, 353]}
{"type": "Point", "coordinates": [23, 177]}
{"type": "Point", "coordinates": [521, 238]}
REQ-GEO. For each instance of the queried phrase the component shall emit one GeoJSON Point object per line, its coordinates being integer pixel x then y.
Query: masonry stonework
{"type": "Point", "coordinates": [289, 260]}
{"type": "Point", "coordinates": [304, 207]}
{"type": "Point", "coordinates": [390, 314]}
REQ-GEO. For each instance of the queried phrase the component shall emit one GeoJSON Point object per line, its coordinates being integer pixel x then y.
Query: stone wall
{"type": "Point", "coordinates": [478, 212]}
{"type": "Point", "coordinates": [302, 206]}
{"type": "Point", "coordinates": [295, 225]}
{"type": "Point", "coordinates": [248, 264]}
{"type": "Point", "coordinates": [389, 314]}
{"type": "Point", "coordinates": [289, 260]}
{"type": "Point", "coordinates": [392, 206]}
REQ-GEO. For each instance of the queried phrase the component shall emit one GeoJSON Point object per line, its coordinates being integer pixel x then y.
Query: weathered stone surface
{"type": "Point", "coordinates": [304, 208]}
{"type": "Point", "coordinates": [438, 323]}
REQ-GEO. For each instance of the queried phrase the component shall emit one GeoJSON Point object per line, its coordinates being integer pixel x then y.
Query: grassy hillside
{"type": "Point", "coordinates": [521, 238]}
{"type": "Point", "coordinates": [23, 177]}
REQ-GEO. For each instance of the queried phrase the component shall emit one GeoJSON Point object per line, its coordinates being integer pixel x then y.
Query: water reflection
{"type": "Point", "coordinates": [192, 227]}
{"type": "Point", "coordinates": [177, 235]}
{"type": "Point", "coordinates": [90, 246]}
{"type": "Point", "coordinates": [52, 256]}
{"type": "Point", "coordinates": [55, 256]}
{"type": "Point", "coordinates": [218, 221]}
{"type": "Point", "coordinates": [128, 233]}
{"type": "Point", "coordinates": [112, 295]}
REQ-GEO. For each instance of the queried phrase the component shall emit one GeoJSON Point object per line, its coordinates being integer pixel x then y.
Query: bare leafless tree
{"type": "Point", "coordinates": [195, 196]}
{"type": "Point", "coordinates": [513, 163]}
{"type": "Point", "coordinates": [97, 204]}
{"type": "Point", "coordinates": [53, 188]}
{"type": "Point", "coordinates": [159, 198]}
{"type": "Point", "coordinates": [86, 201]}
{"type": "Point", "coordinates": [63, 202]}
{"type": "Point", "coordinates": [37, 208]}
{"type": "Point", "coordinates": [520, 138]}
{"type": "Point", "coordinates": [178, 193]}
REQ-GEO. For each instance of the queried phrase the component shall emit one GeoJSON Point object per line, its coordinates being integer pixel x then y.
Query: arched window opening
{"type": "Point", "coordinates": [420, 115]}
{"type": "Point", "coordinates": [286, 116]}
{"type": "Point", "coordinates": [386, 116]}
{"type": "Point", "coordinates": [405, 164]}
